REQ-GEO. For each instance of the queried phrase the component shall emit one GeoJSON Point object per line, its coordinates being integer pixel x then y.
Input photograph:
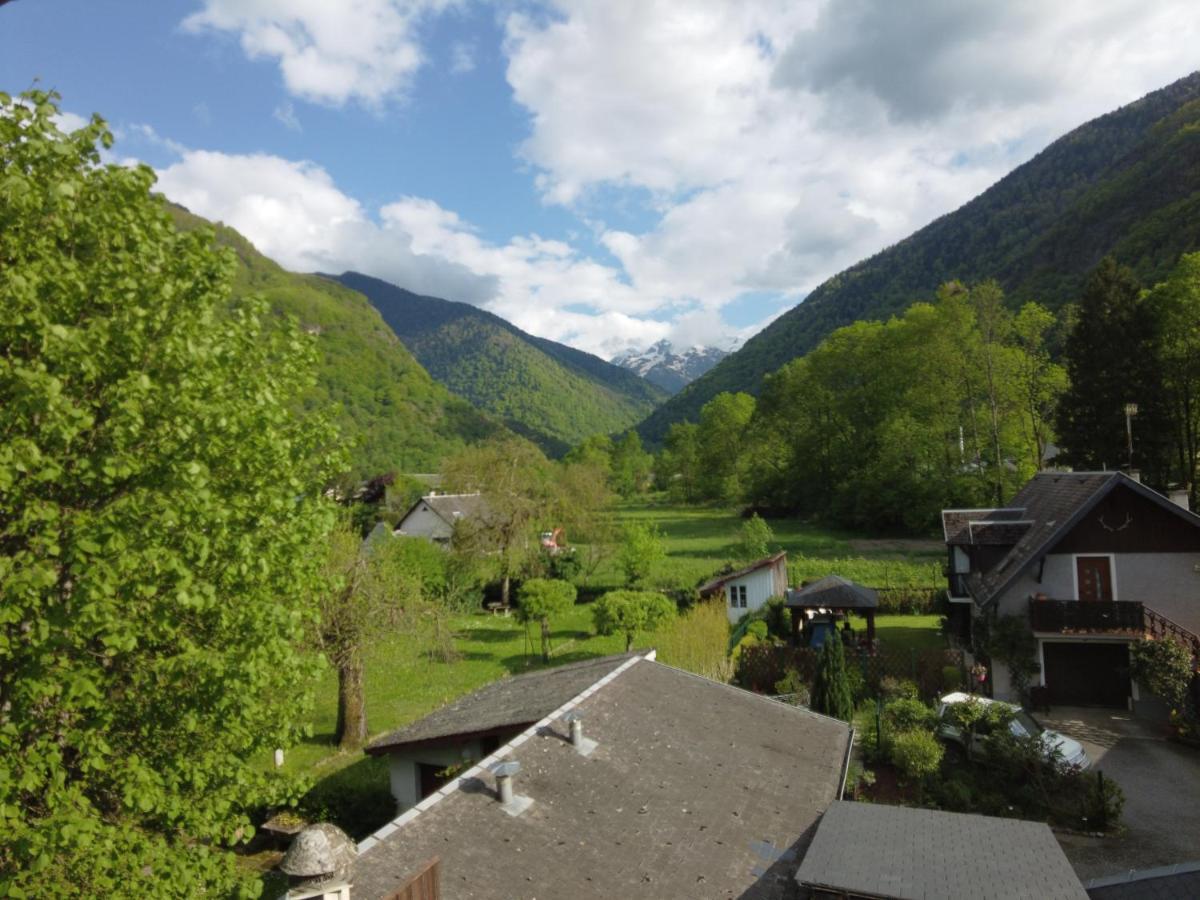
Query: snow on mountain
{"type": "Point", "coordinates": [671, 371]}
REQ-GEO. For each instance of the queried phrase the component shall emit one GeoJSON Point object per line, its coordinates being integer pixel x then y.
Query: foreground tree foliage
{"type": "Point", "coordinates": [541, 600]}
{"type": "Point", "coordinates": [628, 612]}
{"type": "Point", "coordinates": [160, 514]}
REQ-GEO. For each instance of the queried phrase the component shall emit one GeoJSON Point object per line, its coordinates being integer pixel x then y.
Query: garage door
{"type": "Point", "coordinates": [1094, 674]}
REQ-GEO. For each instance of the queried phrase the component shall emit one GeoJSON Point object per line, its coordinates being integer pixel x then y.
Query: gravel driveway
{"type": "Point", "coordinates": [1161, 781]}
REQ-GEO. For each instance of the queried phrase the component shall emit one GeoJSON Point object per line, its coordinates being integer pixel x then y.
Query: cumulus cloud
{"type": "Point", "coordinates": [364, 50]}
{"type": "Point", "coordinates": [783, 141]}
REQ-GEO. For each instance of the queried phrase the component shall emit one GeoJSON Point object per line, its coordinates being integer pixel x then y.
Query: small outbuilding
{"type": "Point", "coordinates": [749, 588]}
{"type": "Point", "coordinates": [870, 850]}
{"type": "Point", "coordinates": [833, 593]}
{"type": "Point", "coordinates": [435, 516]}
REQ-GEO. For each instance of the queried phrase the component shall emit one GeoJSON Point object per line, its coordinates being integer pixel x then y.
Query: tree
{"type": "Point", "coordinates": [541, 599]}
{"type": "Point", "coordinates": [755, 540]}
{"type": "Point", "coordinates": [724, 422]}
{"type": "Point", "coordinates": [628, 612]}
{"type": "Point", "coordinates": [1176, 306]}
{"type": "Point", "coordinates": [1041, 381]}
{"type": "Point", "coordinates": [161, 521]}
{"type": "Point", "coordinates": [678, 468]}
{"type": "Point", "coordinates": [371, 586]}
{"type": "Point", "coordinates": [515, 480]}
{"type": "Point", "coordinates": [831, 689]}
{"type": "Point", "coordinates": [641, 549]}
{"type": "Point", "coordinates": [1111, 362]}
{"type": "Point", "coordinates": [631, 465]}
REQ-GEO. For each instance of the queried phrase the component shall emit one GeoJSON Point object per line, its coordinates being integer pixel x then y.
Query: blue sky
{"type": "Point", "coordinates": [602, 172]}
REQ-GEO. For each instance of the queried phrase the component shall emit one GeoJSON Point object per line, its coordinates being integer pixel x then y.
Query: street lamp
{"type": "Point", "coordinates": [1130, 411]}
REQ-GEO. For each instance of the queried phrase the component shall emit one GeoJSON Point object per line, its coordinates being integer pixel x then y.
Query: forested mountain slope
{"type": "Point", "coordinates": [394, 414]}
{"type": "Point", "coordinates": [552, 394]}
{"type": "Point", "coordinates": [1127, 183]}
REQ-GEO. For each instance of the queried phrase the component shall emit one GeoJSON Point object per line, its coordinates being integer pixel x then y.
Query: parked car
{"type": "Point", "coordinates": [1022, 725]}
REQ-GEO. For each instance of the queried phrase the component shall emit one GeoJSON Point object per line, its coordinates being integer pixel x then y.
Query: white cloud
{"type": "Point", "coordinates": [295, 214]}
{"type": "Point", "coordinates": [783, 141]}
{"type": "Point", "coordinates": [462, 57]}
{"type": "Point", "coordinates": [331, 53]}
{"type": "Point", "coordinates": [285, 114]}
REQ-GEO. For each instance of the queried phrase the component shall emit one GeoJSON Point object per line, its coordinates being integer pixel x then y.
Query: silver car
{"type": "Point", "coordinates": [1022, 725]}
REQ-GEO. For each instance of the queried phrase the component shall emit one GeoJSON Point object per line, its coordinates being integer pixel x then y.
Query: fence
{"type": "Point", "coordinates": [762, 666]}
{"type": "Point", "coordinates": [425, 885]}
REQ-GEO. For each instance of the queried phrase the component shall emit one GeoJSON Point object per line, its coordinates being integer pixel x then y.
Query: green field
{"type": "Point", "coordinates": [402, 684]}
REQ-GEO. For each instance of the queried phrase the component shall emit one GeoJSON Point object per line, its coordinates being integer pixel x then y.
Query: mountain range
{"type": "Point", "coordinates": [661, 365]}
{"type": "Point", "coordinates": [1126, 184]}
{"type": "Point", "coordinates": [552, 394]}
{"type": "Point", "coordinates": [393, 415]}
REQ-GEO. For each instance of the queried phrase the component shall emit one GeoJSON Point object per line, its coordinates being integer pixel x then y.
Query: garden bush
{"type": "Point", "coordinates": [916, 754]}
{"type": "Point", "coordinates": [904, 714]}
{"type": "Point", "coordinates": [891, 688]}
{"type": "Point", "coordinates": [696, 641]}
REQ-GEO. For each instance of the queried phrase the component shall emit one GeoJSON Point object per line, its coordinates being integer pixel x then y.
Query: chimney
{"type": "Point", "coordinates": [1180, 497]}
{"type": "Point", "coordinates": [511, 803]}
{"type": "Point", "coordinates": [583, 746]}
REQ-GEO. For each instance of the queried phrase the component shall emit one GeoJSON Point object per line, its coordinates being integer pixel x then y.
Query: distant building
{"type": "Point", "coordinates": [751, 587]}
{"type": "Point", "coordinates": [435, 515]}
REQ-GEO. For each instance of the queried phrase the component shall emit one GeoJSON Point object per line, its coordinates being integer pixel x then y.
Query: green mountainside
{"type": "Point", "coordinates": [396, 415]}
{"type": "Point", "coordinates": [1127, 183]}
{"type": "Point", "coordinates": [550, 393]}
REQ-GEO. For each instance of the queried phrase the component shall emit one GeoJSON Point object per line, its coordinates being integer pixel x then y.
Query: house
{"type": "Point", "coordinates": [1092, 561]}
{"type": "Point", "coordinates": [474, 726]}
{"type": "Point", "coordinates": [434, 516]}
{"type": "Point", "coordinates": [870, 850]}
{"type": "Point", "coordinates": [750, 588]}
{"type": "Point", "coordinates": [649, 782]}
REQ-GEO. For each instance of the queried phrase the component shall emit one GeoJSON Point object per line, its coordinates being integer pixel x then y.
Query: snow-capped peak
{"type": "Point", "coordinates": [668, 369]}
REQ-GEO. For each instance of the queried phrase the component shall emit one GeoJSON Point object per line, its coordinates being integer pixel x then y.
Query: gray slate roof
{"type": "Point", "coordinates": [507, 704]}
{"type": "Point", "coordinates": [452, 507]}
{"type": "Point", "coordinates": [1053, 502]}
{"type": "Point", "coordinates": [832, 592]}
{"type": "Point", "coordinates": [956, 523]}
{"type": "Point", "coordinates": [718, 582]}
{"type": "Point", "coordinates": [695, 790]}
{"type": "Point", "coordinates": [873, 850]}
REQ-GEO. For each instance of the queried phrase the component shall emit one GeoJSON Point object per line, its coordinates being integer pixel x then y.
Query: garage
{"type": "Point", "coordinates": [1095, 673]}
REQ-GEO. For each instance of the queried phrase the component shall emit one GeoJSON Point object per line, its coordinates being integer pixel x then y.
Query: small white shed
{"type": "Point", "coordinates": [750, 588]}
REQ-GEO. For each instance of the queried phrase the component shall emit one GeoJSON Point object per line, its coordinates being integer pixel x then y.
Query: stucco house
{"type": "Point", "coordinates": [1092, 561]}
{"type": "Point", "coordinates": [751, 587]}
{"type": "Point", "coordinates": [435, 515]}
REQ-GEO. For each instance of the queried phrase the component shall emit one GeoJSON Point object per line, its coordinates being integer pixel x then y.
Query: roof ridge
{"type": "Point", "coordinates": [503, 750]}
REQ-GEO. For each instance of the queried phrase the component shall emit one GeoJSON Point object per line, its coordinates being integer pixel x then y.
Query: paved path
{"type": "Point", "coordinates": [1161, 781]}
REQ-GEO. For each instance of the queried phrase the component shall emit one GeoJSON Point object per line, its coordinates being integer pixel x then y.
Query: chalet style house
{"type": "Point", "coordinates": [435, 516]}
{"type": "Point", "coordinates": [1092, 561]}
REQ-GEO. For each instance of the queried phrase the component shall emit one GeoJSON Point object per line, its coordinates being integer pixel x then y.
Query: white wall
{"type": "Point", "coordinates": [1168, 583]}
{"type": "Point", "coordinates": [424, 522]}
{"type": "Point", "coordinates": [405, 778]}
{"type": "Point", "coordinates": [759, 589]}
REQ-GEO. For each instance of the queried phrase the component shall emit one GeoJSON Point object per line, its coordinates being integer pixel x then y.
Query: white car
{"type": "Point", "coordinates": [1022, 725]}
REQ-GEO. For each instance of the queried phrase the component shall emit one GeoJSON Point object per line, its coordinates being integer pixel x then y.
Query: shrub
{"type": "Point", "coordinates": [906, 714]}
{"type": "Point", "coordinates": [951, 679]}
{"type": "Point", "coordinates": [891, 688]}
{"type": "Point", "coordinates": [1164, 667]}
{"type": "Point", "coordinates": [831, 693]}
{"type": "Point", "coordinates": [696, 641]}
{"type": "Point", "coordinates": [916, 754]}
{"type": "Point", "coordinates": [793, 685]}
{"type": "Point", "coordinates": [1010, 641]}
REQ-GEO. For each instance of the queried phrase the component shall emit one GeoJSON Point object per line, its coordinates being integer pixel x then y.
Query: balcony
{"type": "Point", "coordinates": [1076, 617]}
{"type": "Point", "coordinates": [958, 584]}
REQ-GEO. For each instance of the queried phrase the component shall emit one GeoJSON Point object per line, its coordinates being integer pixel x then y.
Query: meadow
{"type": "Point", "coordinates": [403, 683]}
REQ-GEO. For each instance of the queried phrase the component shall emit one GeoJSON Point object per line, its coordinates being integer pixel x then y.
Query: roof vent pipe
{"type": "Point", "coordinates": [583, 746]}
{"type": "Point", "coordinates": [510, 802]}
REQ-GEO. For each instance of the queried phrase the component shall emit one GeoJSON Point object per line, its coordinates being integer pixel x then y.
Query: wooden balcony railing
{"type": "Point", "coordinates": [1160, 628]}
{"type": "Point", "coordinates": [1062, 616]}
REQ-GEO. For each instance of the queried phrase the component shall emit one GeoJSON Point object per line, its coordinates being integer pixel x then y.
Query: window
{"type": "Point", "coordinates": [733, 596]}
{"type": "Point", "coordinates": [741, 596]}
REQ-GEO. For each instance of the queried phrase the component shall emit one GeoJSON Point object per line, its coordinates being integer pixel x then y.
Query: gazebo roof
{"type": "Point", "coordinates": [832, 592]}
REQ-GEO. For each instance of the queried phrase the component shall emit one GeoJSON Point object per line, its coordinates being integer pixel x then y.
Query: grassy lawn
{"type": "Point", "coordinates": [402, 684]}
{"type": "Point", "coordinates": [700, 540]}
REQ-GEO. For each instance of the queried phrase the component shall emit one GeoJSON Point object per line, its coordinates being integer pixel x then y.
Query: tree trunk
{"type": "Point", "coordinates": [545, 640]}
{"type": "Point", "coordinates": [628, 641]}
{"type": "Point", "coordinates": [504, 591]}
{"type": "Point", "coordinates": [352, 704]}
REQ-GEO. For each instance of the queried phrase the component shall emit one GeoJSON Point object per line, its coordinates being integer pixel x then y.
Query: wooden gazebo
{"type": "Point", "coordinates": [836, 594]}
